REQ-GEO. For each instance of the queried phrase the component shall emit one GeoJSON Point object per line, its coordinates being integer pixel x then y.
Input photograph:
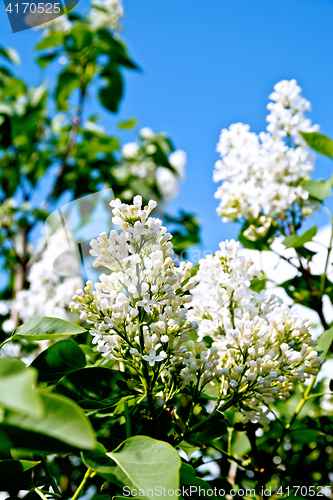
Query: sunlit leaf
{"type": "Point", "coordinates": [46, 328]}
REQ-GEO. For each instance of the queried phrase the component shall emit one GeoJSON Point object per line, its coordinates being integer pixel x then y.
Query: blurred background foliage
{"type": "Point", "coordinates": [52, 150]}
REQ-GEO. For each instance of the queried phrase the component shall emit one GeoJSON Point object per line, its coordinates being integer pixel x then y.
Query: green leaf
{"type": "Point", "coordinates": [319, 142]}
{"type": "Point", "coordinates": [145, 463]}
{"type": "Point", "coordinates": [294, 241]}
{"type": "Point", "coordinates": [63, 421]}
{"type": "Point", "coordinates": [217, 427]}
{"type": "Point", "coordinates": [67, 82]}
{"type": "Point", "coordinates": [319, 190]}
{"type": "Point", "coordinates": [93, 387]}
{"type": "Point", "coordinates": [5, 444]}
{"type": "Point", "coordinates": [46, 328]}
{"type": "Point", "coordinates": [259, 283]}
{"type": "Point", "coordinates": [324, 342]}
{"type": "Point", "coordinates": [16, 388]}
{"type": "Point", "coordinates": [10, 54]}
{"type": "Point", "coordinates": [21, 480]}
{"type": "Point", "coordinates": [98, 460]}
{"type": "Point", "coordinates": [131, 123]}
{"type": "Point", "coordinates": [52, 40]}
{"type": "Point", "coordinates": [45, 59]}
{"type": "Point", "coordinates": [189, 478]}
{"type": "Point", "coordinates": [11, 468]}
{"type": "Point", "coordinates": [188, 448]}
{"type": "Point", "coordinates": [58, 360]}
{"type": "Point", "coordinates": [305, 253]}
{"type": "Point", "coordinates": [115, 49]}
{"type": "Point", "coordinates": [240, 445]}
{"type": "Point", "coordinates": [111, 95]}
{"type": "Point", "coordinates": [79, 38]}
{"type": "Point", "coordinates": [306, 292]}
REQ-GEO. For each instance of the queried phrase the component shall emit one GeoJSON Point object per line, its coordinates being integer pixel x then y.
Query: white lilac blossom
{"type": "Point", "coordinates": [61, 23]}
{"type": "Point", "coordinates": [261, 174]}
{"type": "Point", "coordinates": [103, 14]}
{"type": "Point", "coordinates": [168, 181]}
{"type": "Point", "coordinates": [49, 293]}
{"type": "Point", "coordinates": [137, 157]}
{"type": "Point", "coordinates": [106, 14]}
{"type": "Point", "coordinates": [138, 310]}
{"type": "Point", "coordinates": [286, 117]}
{"type": "Point", "coordinates": [263, 347]}
{"type": "Point", "coordinates": [130, 150]}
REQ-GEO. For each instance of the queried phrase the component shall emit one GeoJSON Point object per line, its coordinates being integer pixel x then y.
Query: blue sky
{"type": "Point", "coordinates": [209, 63]}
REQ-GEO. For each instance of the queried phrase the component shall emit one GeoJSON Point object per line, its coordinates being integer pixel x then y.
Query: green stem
{"type": "Point", "coordinates": [82, 484]}
{"type": "Point", "coordinates": [227, 455]}
{"type": "Point", "coordinates": [41, 494]}
{"type": "Point", "coordinates": [297, 411]}
{"type": "Point", "coordinates": [302, 402]}
{"type": "Point", "coordinates": [329, 249]}
{"type": "Point", "coordinates": [49, 473]}
{"type": "Point", "coordinates": [320, 394]}
{"type": "Point", "coordinates": [230, 432]}
{"type": "Point", "coordinates": [127, 421]}
{"type": "Point", "coordinates": [5, 342]}
{"type": "Point", "coordinates": [202, 422]}
{"type": "Point", "coordinates": [147, 385]}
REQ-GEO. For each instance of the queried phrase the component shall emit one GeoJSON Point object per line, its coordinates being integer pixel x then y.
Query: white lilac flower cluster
{"type": "Point", "coordinates": [106, 14]}
{"type": "Point", "coordinates": [262, 346]}
{"type": "Point", "coordinates": [261, 174]}
{"type": "Point", "coordinates": [139, 309]}
{"type": "Point", "coordinates": [103, 14]}
{"type": "Point", "coordinates": [49, 293]}
{"type": "Point", "coordinates": [138, 158]}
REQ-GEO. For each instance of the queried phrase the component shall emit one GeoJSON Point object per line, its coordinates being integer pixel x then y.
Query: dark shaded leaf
{"type": "Point", "coordinates": [188, 477]}
{"type": "Point", "coordinates": [58, 360]}
{"type": "Point", "coordinates": [93, 388]}
{"type": "Point", "coordinates": [45, 59]}
{"type": "Point", "coordinates": [111, 95]}
{"type": "Point", "coordinates": [10, 54]}
{"type": "Point", "coordinates": [98, 460]}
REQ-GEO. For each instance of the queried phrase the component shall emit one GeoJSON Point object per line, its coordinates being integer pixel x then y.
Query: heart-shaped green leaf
{"type": "Point", "coordinates": [145, 463]}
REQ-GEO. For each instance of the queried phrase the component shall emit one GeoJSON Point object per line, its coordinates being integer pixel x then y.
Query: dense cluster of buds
{"type": "Point", "coordinates": [139, 309]}
{"type": "Point", "coordinates": [143, 309]}
{"type": "Point", "coordinates": [261, 174]}
{"type": "Point", "coordinates": [263, 346]}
